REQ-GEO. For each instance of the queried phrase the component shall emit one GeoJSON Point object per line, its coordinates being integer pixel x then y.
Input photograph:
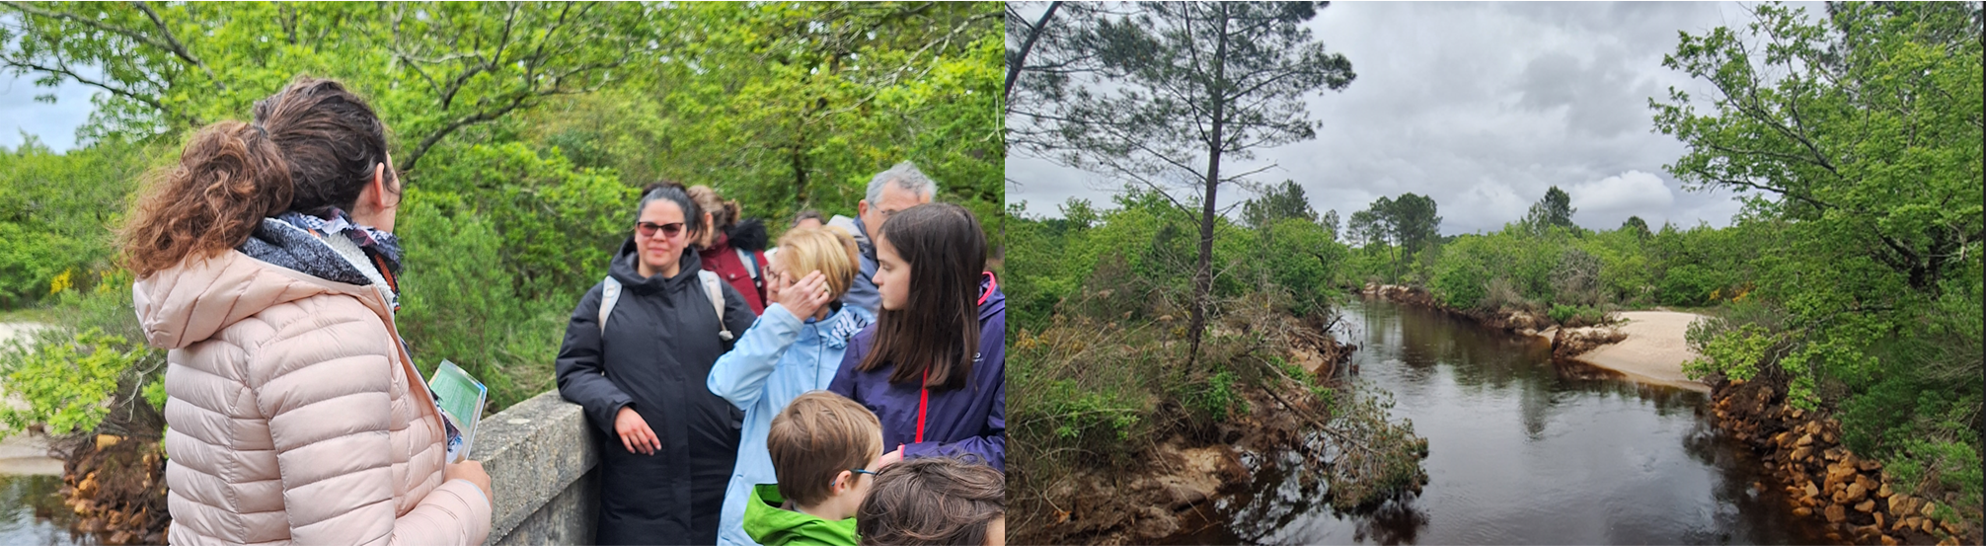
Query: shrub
{"type": "Point", "coordinates": [72, 384]}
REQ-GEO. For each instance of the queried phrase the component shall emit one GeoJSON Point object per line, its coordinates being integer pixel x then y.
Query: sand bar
{"type": "Point", "coordinates": [1654, 351]}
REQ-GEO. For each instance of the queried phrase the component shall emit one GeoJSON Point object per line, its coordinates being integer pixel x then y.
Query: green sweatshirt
{"type": "Point", "coordinates": [771, 525]}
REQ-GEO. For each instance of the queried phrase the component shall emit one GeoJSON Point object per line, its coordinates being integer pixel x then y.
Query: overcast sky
{"type": "Point", "coordinates": [1481, 106]}
{"type": "Point", "coordinates": [55, 124]}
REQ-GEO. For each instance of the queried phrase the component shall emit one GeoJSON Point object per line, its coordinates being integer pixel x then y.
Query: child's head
{"type": "Point", "coordinates": [805, 250]}
{"type": "Point", "coordinates": [935, 500]}
{"type": "Point", "coordinates": [929, 262]}
{"type": "Point", "coordinates": [821, 444]}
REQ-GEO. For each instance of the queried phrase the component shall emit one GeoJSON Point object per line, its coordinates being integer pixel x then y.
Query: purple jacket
{"type": "Point", "coordinates": [971, 420]}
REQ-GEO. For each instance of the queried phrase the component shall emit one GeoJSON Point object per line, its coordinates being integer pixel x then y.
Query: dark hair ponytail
{"type": "Point", "coordinates": [936, 335]}
{"type": "Point", "coordinates": [313, 146]}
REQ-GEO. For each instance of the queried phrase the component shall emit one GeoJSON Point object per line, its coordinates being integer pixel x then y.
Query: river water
{"type": "Point", "coordinates": [32, 513]}
{"type": "Point", "coordinates": [1522, 451]}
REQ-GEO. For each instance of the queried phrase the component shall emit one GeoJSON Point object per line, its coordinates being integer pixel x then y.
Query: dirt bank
{"type": "Point", "coordinates": [1823, 480]}
{"type": "Point", "coordinates": [1184, 476]}
{"type": "Point", "coordinates": [117, 488]}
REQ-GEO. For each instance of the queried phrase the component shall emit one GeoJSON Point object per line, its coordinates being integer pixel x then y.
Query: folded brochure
{"type": "Point", "coordinates": [461, 399]}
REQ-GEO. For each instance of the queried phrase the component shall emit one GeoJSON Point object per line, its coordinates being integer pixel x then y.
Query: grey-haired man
{"type": "Point", "coordinates": [901, 187]}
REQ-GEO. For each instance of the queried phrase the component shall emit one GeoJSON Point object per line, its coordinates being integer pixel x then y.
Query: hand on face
{"type": "Point", "coordinates": [806, 297]}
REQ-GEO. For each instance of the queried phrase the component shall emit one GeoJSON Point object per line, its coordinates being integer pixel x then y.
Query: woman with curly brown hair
{"type": "Point", "coordinates": [267, 267]}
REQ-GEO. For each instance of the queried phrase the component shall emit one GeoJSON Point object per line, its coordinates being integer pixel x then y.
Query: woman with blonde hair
{"type": "Point", "coordinates": [266, 267]}
{"type": "Point", "coordinates": [795, 347]}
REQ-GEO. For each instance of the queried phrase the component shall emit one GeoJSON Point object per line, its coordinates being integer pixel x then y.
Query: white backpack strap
{"type": "Point", "coordinates": [714, 288]}
{"type": "Point", "coordinates": [751, 265]}
{"type": "Point", "coordinates": [610, 293]}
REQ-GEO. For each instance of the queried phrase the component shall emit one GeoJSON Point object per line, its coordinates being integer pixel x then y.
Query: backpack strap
{"type": "Point", "coordinates": [714, 288]}
{"type": "Point", "coordinates": [610, 293]}
{"type": "Point", "coordinates": [751, 265]}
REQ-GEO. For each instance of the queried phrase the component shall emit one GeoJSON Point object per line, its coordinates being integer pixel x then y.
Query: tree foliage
{"type": "Point", "coordinates": [1858, 136]}
{"type": "Point", "coordinates": [524, 129]}
{"type": "Point", "coordinates": [1284, 201]}
{"type": "Point", "coordinates": [1168, 91]}
{"type": "Point", "coordinates": [1553, 210]}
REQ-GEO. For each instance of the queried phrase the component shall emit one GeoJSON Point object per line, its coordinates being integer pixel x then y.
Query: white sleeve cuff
{"type": "Point", "coordinates": [478, 490]}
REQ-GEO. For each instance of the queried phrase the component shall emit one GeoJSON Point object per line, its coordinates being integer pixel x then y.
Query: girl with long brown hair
{"type": "Point", "coordinates": [267, 267]}
{"type": "Point", "coordinates": [933, 367]}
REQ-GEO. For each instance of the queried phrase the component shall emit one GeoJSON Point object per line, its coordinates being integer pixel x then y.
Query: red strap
{"type": "Point", "coordinates": [923, 402]}
{"type": "Point", "coordinates": [991, 285]}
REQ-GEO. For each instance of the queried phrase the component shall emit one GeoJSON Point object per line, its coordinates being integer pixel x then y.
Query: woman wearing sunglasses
{"type": "Point", "coordinates": [636, 354]}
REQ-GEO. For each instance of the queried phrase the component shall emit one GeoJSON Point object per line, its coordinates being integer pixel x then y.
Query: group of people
{"type": "Point", "coordinates": [690, 355]}
{"type": "Point", "coordinates": [843, 384]}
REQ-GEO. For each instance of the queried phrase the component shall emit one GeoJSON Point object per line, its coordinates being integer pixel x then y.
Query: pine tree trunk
{"type": "Point", "coordinates": [1203, 274]}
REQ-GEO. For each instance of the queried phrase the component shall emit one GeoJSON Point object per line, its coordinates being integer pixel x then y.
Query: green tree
{"type": "Point", "coordinates": [433, 69]}
{"type": "Point", "coordinates": [1856, 138]}
{"type": "Point", "coordinates": [1407, 224]}
{"type": "Point", "coordinates": [1864, 126]}
{"type": "Point", "coordinates": [1189, 85]}
{"type": "Point", "coordinates": [1554, 210]}
{"type": "Point", "coordinates": [1277, 203]}
{"type": "Point", "coordinates": [1636, 225]}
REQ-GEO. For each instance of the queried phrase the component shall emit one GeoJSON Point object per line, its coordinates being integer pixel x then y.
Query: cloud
{"type": "Point", "coordinates": [1605, 203]}
{"type": "Point", "coordinates": [1481, 106]}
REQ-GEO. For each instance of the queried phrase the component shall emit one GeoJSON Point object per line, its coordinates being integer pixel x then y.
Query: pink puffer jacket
{"type": "Point", "coordinates": [292, 414]}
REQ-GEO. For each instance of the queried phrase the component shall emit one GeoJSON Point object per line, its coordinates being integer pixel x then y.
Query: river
{"type": "Point", "coordinates": [1522, 451]}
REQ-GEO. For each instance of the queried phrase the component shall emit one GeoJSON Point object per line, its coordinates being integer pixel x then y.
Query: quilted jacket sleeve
{"type": "Point", "coordinates": [327, 397]}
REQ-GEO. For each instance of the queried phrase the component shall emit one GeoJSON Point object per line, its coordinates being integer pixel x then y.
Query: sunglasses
{"type": "Point", "coordinates": [648, 229]}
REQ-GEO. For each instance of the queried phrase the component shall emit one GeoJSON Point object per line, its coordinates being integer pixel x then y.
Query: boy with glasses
{"type": "Point", "coordinates": [824, 451]}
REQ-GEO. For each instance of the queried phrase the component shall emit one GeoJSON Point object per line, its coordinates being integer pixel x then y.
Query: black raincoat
{"type": "Point", "coordinates": [655, 354]}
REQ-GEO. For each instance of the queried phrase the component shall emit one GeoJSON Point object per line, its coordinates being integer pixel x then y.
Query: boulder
{"type": "Point", "coordinates": [1902, 506]}
{"type": "Point", "coordinates": [1887, 541]}
{"type": "Point", "coordinates": [1803, 453]}
{"type": "Point", "coordinates": [1855, 492]}
{"type": "Point", "coordinates": [1883, 492]}
{"type": "Point", "coordinates": [1867, 483]}
{"type": "Point", "coordinates": [1865, 506]}
{"type": "Point", "coordinates": [1805, 440]}
{"type": "Point", "coordinates": [1929, 509]}
{"type": "Point", "coordinates": [1869, 465]}
{"type": "Point", "coordinates": [1835, 513]}
{"type": "Point", "coordinates": [1803, 511]}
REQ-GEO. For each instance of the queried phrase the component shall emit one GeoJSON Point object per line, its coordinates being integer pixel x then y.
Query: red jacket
{"type": "Point", "coordinates": [721, 258]}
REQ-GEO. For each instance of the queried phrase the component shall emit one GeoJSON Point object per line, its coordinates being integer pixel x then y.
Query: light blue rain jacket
{"type": "Point", "coordinates": [775, 361]}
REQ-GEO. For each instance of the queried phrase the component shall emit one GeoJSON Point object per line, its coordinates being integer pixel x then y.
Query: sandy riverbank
{"type": "Point", "coordinates": [1654, 351]}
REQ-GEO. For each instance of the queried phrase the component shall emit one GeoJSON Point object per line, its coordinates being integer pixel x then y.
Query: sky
{"type": "Point", "coordinates": [55, 124]}
{"type": "Point", "coordinates": [1482, 106]}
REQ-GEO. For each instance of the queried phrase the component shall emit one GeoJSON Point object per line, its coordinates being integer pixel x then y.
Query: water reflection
{"type": "Point", "coordinates": [1522, 450]}
{"type": "Point", "coordinates": [31, 512]}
